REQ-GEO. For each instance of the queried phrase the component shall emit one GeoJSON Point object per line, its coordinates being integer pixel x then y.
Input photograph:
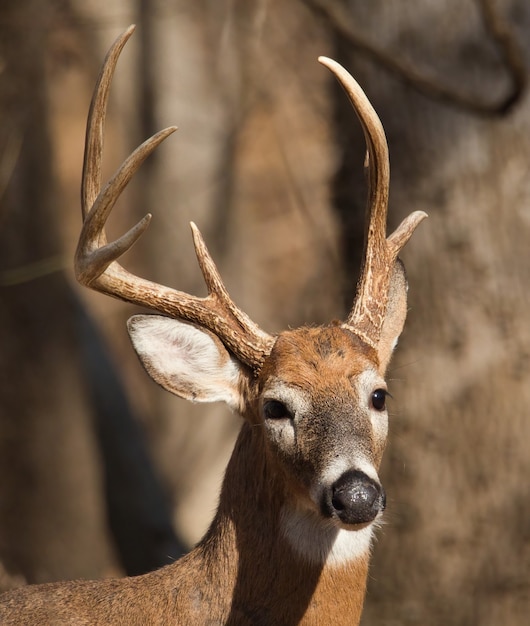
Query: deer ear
{"type": "Point", "coordinates": [396, 312]}
{"type": "Point", "coordinates": [190, 362]}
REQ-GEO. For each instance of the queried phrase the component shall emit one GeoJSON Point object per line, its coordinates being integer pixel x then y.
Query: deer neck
{"type": "Point", "coordinates": [276, 563]}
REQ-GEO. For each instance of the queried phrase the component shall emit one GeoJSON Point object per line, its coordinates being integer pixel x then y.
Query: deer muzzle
{"type": "Point", "coordinates": [354, 499]}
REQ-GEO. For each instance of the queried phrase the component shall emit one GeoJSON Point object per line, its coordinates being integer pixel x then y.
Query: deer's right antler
{"type": "Point", "coordinates": [96, 263]}
{"type": "Point", "coordinates": [380, 253]}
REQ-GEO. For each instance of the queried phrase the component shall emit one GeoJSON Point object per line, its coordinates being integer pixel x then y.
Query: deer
{"type": "Point", "coordinates": [291, 540]}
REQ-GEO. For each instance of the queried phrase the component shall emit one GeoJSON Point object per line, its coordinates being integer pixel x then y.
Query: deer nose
{"type": "Point", "coordinates": [355, 498]}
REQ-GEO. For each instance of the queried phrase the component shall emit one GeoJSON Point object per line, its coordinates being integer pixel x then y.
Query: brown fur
{"type": "Point", "coordinates": [244, 571]}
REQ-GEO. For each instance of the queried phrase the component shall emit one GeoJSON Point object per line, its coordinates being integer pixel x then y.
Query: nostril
{"type": "Point", "coordinates": [356, 498]}
{"type": "Point", "coordinates": [338, 502]}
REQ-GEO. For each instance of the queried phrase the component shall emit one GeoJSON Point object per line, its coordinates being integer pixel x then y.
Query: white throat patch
{"type": "Point", "coordinates": [322, 542]}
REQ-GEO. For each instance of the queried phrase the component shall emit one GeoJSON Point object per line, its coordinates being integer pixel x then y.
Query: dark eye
{"type": "Point", "coordinates": [276, 410]}
{"type": "Point", "coordinates": [379, 399]}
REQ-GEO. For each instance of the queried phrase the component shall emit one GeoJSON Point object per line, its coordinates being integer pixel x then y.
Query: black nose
{"type": "Point", "coordinates": [355, 498]}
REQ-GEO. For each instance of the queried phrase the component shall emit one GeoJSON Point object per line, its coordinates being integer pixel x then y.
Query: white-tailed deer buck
{"type": "Point", "coordinates": [290, 541]}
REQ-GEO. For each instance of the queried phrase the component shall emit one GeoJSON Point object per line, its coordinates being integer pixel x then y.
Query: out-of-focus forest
{"type": "Point", "coordinates": [101, 472]}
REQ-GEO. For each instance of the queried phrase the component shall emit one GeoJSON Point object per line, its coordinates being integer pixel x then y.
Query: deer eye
{"type": "Point", "coordinates": [276, 410]}
{"type": "Point", "coordinates": [378, 399]}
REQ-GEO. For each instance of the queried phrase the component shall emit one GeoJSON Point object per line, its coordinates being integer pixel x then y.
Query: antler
{"type": "Point", "coordinates": [380, 253]}
{"type": "Point", "coordinates": [96, 263]}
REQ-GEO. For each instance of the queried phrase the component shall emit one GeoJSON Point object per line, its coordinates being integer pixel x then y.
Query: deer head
{"type": "Point", "coordinates": [315, 397]}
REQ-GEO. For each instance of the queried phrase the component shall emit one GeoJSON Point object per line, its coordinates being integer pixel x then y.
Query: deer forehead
{"type": "Point", "coordinates": [325, 376]}
{"type": "Point", "coordinates": [319, 361]}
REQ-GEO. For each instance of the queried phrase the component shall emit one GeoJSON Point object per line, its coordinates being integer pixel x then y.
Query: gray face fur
{"type": "Point", "coordinates": [317, 410]}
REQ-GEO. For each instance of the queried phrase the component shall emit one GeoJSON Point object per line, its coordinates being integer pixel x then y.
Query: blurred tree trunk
{"type": "Point", "coordinates": [455, 547]}
{"type": "Point", "coordinates": [52, 524]}
{"type": "Point", "coordinates": [73, 460]}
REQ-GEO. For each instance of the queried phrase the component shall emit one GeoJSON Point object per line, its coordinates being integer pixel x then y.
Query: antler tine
{"type": "Point", "coordinates": [96, 263]}
{"type": "Point", "coordinates": [376, 150]}
{"type": "Point", "coordinates": [217, 290]}
{"type": "Point", "coordinates": [94, 254]}
{"type": "Point", "coordinates": [380, 253]}
{"type": "Point", "coordinates": [91, 178]}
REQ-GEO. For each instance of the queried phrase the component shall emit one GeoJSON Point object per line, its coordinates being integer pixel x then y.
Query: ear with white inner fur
{"type": "Point", "coordinates": [190, 362]}
{"type": "Point", "coordinates": [396, 312]}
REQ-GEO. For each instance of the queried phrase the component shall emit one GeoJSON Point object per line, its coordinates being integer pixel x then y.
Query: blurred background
{"type": "Point", "coordinates": [101, 472]}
